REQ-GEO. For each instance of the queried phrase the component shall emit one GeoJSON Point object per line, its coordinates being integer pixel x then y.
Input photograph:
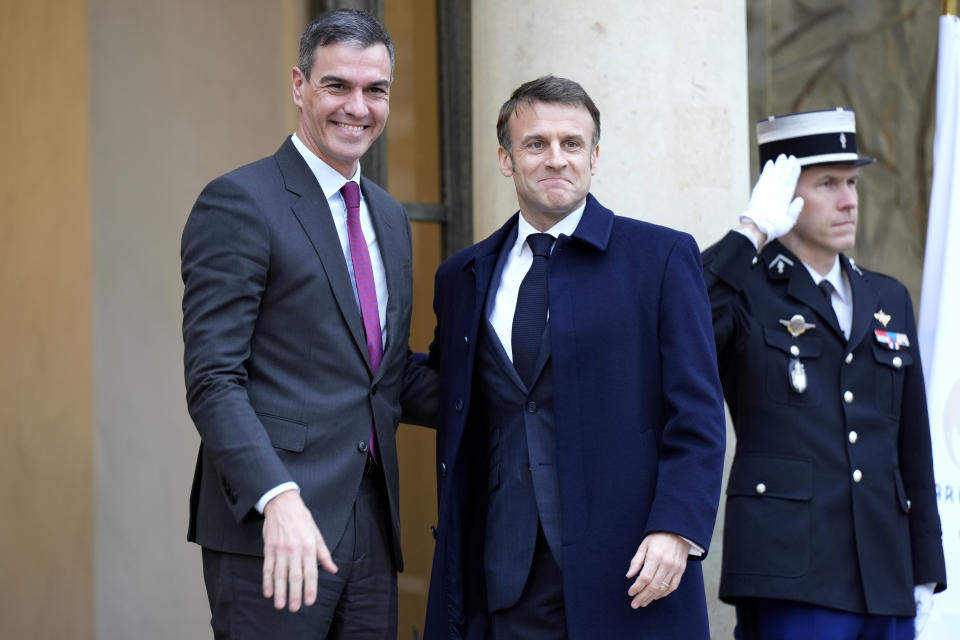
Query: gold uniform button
{"type": "Point", "coordinates": [857, 475]}
{"type": "Point", "coordinates": [849, 358]}
{"type": "Point", "coordinates": [852, 437]}
{"type": "Point", "coordinates": [897, 362]}
{"type": "Point", "coordinates": [848, 396]}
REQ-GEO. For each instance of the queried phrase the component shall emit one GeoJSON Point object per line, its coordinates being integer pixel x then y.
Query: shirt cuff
{"type": "Point", "coordinates": [277, 490]}
{"type": "Point", "coordinates": [695, 549]}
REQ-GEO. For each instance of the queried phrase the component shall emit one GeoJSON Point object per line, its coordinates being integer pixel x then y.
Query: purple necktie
{"type": "Point", "coordinates": [366, 289]}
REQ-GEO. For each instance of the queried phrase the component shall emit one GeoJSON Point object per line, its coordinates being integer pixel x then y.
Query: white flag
{"type": "Point", "coordinates": [939, 324]}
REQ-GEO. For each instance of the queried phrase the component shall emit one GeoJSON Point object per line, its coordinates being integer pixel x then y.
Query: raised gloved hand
{"type": "Point", "coordinates": [923, 596]}
{"type": "Point", "coordinates": [772, 206]}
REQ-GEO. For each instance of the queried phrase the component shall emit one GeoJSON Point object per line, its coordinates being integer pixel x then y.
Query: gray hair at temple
{"type": "Point", "coordinates": [548, 89]}
{"type": "Point", "coordinates": [343, 26]}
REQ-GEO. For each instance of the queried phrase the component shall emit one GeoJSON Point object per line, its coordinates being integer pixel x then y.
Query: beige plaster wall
{"type": "Point", "coordinates": [670, 80]}
{"type": "Point", "coordinates": [181, 92]}
{"type": "Point", "coordinates": [45, 333]}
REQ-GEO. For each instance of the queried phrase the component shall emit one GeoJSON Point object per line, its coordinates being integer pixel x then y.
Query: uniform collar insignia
{"type": "Point", "coordinates": [797, 325]}
{"type": "Point", "coordinates": [854, 266]}
{"type": "Point", "coordinates": [779, 264]}
{"type": "Point", "coordinates": [881, 317]}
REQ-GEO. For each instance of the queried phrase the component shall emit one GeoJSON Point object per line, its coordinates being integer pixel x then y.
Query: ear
{"type": "Point", "coordinates": [506, 162]}
{"type": "Point", "coordinates": [298, 82]}
{"type": "Point", "coordinates": [594, 160]}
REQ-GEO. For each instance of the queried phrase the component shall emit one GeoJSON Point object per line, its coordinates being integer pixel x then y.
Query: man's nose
{"type": "Point", "coordinates": [555, 157]}
{"type": "Point", "coordinates": [356, 104]}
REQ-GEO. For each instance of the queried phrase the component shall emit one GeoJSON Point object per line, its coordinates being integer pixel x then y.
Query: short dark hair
{"type": "Point", "coordinates": [547, 88]}
{"type": "Point", "coordinates": [348, 26]}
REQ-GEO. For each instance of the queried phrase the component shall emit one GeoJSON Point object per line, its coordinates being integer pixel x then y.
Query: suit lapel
{"type": "Point", "coordinates": [392, 252]}
{"type": "Point", "coordinates": [313, 213]}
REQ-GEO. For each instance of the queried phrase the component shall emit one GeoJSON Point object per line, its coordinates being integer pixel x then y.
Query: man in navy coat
{"type": "Point", "coordinates": [581, 428]}
{"type": "Point", "coordinates": [831, 526]}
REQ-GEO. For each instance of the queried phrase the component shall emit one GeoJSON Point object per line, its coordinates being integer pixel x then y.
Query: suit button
{"type": "Point", "coordinates": [433, 530]}
{"type": "Point", "coordinates": [761, 489]}
{"type": "Point", "coordinates": [857, 475]}
{"type": "Point", "coordinates": [466, 339]}
{"type": "Point", "coordinates": [458, 404]}
{"type": "Point", "coordinates": [897, 361]}
{"type": "Point", "coordinates": [443, 469]}
{"type": "Point", "coordinates": [362, 446]}
{"type": "Point", "coordinates": [373, 390]}
{"type": "Point", "coordinates": [848, 396]}
{"type": "Point", "coordinates": [794, 350]}
{"type": "Point", "coordinates": [532, 407]}
{"type": "Point", "coordinates": [849, 358]}
{"type": "Point", "coordinates": [852, 437]}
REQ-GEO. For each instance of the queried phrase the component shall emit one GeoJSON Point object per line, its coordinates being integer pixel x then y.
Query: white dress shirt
{"type": "Point", "coordinates": [331, 182]}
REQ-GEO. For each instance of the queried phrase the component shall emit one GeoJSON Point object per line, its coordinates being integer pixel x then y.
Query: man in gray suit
{"type": "Point", "coordinates": [297, 299]}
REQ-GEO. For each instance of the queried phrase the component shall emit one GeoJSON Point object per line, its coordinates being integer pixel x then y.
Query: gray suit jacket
{"type": "Point", "coordinates": [278, 377]}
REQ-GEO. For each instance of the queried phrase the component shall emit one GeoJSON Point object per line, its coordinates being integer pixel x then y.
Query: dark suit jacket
{"type": "Point", "coordinates": [638, 416]}
{"type": "Point", "coordinates": [799, 525]}
{"type": "Point", "coordinates": [278, 377]}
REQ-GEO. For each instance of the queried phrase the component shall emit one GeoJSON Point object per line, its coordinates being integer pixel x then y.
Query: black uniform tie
{"type": "Point", "coordinates": [530, 316]}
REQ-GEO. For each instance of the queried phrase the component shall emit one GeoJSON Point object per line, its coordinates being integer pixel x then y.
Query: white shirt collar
{"type": "Point", "coordinates": [329, 178]}
{"type": "Point", "coordinates": [566, 226]}
{"type": "Point", "coordinates": [834, 277]}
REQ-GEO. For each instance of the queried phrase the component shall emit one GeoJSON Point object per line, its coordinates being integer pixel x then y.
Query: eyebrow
{"type": "Point", "coordinates": [383, 82]}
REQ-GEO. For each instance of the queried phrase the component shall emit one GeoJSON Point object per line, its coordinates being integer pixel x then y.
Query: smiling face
{"type": "Point", "coordinates": [551, 159]}
{"type": "Point", "coordinates": [344, 104]}
{"type": "Point", "coordinates": [828, 223]}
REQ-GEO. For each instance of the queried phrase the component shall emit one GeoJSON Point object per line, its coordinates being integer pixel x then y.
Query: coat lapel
{"type": "Point", "coordinates": [313, 213]}
{"type": "Point", "coordinates": [781, 264]}
{"type": "Point", "coordinates": [865, 301]}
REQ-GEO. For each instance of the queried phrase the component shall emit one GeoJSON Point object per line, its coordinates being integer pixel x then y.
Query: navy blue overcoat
{"type": "Point", "coordinates": [639, 423]}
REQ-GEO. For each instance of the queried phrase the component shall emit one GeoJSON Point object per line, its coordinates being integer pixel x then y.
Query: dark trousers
{"type": "Point", "coordinates": [539, 614]}
{"type": "Point", "coordinates": [763, 619]}
{"type": "Point", "coordinates": [359, 602]}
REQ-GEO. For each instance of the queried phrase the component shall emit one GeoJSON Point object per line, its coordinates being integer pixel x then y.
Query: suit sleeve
{"type": "Point", "coordinates": [691, 451]}
{"type": "Point", "coordinates": [916, 467]}
{"type": "Point", "coordinates": [225, 260]}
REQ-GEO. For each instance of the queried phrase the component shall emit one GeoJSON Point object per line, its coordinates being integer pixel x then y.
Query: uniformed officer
{"type": "Point", "coordinates": [831, 527]}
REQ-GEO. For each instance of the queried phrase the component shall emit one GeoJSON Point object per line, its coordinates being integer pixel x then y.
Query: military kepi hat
{"type": "Point", "coordinates": [814, 137]}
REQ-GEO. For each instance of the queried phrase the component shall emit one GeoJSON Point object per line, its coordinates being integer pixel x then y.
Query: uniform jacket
{"type": "Point", "coordinates": [278, 376]}
{"type": "Point", "coordinates": [638, 418]}
{"type": "Point", "coordinates": [830, 499]}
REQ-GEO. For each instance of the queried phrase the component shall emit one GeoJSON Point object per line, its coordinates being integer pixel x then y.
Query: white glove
{"type": "Point", "coordinates": [923, 596]}
{"type": "Point", "coordinates": [772, 206]}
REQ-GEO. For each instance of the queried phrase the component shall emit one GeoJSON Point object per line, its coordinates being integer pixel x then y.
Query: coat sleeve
{"type": "Point", "coordinates": [225, 259]}
{"type": "Point", "coordinates": [690, 466]}
{"type": "Point", "coordinates": [916, 468]}
{"type": "Point", "coordinates": [725, 268]}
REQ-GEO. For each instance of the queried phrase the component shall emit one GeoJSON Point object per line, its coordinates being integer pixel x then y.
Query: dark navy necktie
{"type": "Point", "coordinates": [530, 316]}
{"type": "Point", "coordinates": [827, 288]}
